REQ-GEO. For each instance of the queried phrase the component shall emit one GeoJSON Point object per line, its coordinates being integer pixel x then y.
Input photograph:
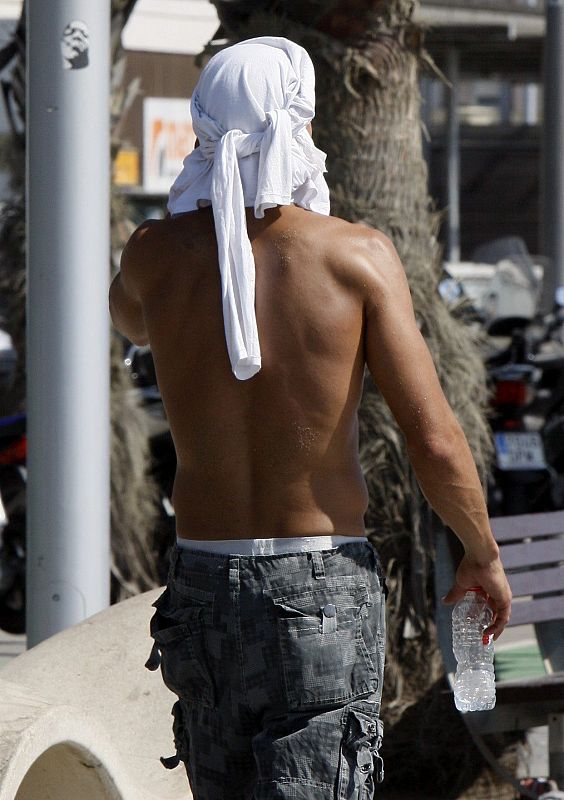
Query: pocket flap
{"type": "Point", "coordinates": [171, 634]}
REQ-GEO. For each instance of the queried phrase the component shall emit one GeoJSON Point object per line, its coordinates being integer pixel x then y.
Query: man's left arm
{"type": "Point", "coordinates": [126, 309]}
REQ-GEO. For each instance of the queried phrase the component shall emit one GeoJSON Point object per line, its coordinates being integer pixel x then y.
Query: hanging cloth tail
{"type": "Point", "coordinates": [274, 184]}
{"type": "Point", "coordinates": [236, 260]}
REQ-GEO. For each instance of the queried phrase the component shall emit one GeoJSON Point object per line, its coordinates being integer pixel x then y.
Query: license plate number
{"type": "Point", "coordinates": [519, 451]}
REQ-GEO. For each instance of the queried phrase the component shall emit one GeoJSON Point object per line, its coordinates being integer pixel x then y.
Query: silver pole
{"type": "Point", "coordinates": [68, 253]}
{"type": "Point", "coordinates": [453, 159]}
{"type": "Point", "coordinates": [553, 226]}
{"type": "Point", "coordinates": [530, 102]}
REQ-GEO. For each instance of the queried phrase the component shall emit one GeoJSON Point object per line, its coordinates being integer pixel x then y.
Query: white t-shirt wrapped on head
{"type": "Point", "coordinates": [250, 110]}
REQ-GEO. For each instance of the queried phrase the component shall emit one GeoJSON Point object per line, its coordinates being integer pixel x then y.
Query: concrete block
{"type": "Point", "coordinates": [81, 717]}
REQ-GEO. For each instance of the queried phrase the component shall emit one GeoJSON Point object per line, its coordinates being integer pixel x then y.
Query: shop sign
{"type": "Point", "coordinates": [126, 167]}
{"type": "Point", "coordinates": [168, 137]}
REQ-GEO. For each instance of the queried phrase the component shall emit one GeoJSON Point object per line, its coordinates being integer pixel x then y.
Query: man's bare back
{"type": "Point", "coordinates": [276, 455]}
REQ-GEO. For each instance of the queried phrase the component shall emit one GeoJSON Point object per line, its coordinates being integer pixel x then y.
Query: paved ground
{"type": "Point", "coordinates": [10, 646]}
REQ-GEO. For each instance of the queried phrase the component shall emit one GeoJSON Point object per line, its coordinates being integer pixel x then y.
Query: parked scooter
{"type": "Point", "coordinates": [525, 372]}
{"type": "Point", "coordinates": [13, 485]}
{"type": "Point", "coordinates": [527, 382]}
{"type": "Point", "coordinates": [13, 480]}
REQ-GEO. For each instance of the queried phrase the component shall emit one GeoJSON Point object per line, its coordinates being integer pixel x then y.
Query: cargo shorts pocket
{"type": "Point", "coordinates": [181, 742]}
{"type": "Point", "coordinates": [361, 765]}
{"type": "Point", "coordinates": [178, 630]}
{"type": "Point", "coordinates": [321, 636]}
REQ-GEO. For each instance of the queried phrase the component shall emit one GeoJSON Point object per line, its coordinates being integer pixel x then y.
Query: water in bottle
{"type": "Point", "coordinates": [474, 684]}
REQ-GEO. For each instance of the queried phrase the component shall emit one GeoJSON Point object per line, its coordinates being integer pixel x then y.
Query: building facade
{"type": "Point", "coordinates": [498, 46]}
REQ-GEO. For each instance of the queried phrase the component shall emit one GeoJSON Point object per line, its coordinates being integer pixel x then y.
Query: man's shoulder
{"type": "Point", "coordinates": [357, 252]}
{"type": "Point", "coordinates": [356, 235]}
{"type": "Point", "coordinates": [139, 241]}
{"type": "Point", "coordinates": [149, 234]}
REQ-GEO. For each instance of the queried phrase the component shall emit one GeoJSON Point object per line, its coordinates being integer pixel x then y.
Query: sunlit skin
{"type": "Point", "coordinates": [277, 455]}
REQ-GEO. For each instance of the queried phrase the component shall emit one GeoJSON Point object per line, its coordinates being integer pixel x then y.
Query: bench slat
{"type": "Point", "coordinates": [542, 609]}
{"type": "Point", "coordinates": [530, 693]}
{"type": "Point", "coordinates": [535, 581]}
{"type": "Point", "coordinates": [530, 554]}
{"type": "Point", "coordinates": [553, 679]}
{"type": "Point", "coordinates": [527, 525]}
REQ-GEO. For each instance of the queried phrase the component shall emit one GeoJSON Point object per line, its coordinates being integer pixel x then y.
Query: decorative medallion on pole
{"type": "Point", "coordinates": [75, 44]}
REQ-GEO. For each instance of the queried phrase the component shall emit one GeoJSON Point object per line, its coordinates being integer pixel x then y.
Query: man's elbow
{"type": "Point", "coordinates": [135, 334]}
{"type": "Point", "coordinates": [138, 338]}
{"type": "Point", "coordinates": [440, 445]}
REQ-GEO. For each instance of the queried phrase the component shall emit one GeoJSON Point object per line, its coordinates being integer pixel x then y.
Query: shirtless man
{"type": "Point", "coordinates": [276, 457]}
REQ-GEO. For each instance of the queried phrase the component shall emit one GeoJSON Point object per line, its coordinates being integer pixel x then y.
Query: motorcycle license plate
{"type": "Point", "coordinates": [517, 450]}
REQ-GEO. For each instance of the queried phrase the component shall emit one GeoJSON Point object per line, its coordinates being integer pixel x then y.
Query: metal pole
{"type": "Point", "coordinates": [453, 158]}
{"type": "Point", "coordinates": [553, 227]}
{"type": "Point", "coordinates": [68, 249]}
{"type": "Point", "coordinates": [530, 102]}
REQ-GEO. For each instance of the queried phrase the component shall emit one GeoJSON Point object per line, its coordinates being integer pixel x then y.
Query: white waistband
{"type": "Point", "coordinates": [267, 547]}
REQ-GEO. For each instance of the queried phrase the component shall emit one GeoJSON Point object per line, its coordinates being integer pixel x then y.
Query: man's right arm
{"type": "Point", "coordinates": [401, 365]}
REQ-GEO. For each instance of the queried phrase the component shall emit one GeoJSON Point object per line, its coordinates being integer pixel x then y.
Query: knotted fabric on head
{"type": "Point", "coordinates": [250, 110]}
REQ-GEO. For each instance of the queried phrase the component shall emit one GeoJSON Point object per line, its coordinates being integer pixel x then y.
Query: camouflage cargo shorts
{"type": "Point", "coordinates": [277, 662]}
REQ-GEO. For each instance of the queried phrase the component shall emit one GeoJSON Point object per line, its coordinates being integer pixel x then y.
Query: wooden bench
{"type": "Point", "coordinates": [532, 552]}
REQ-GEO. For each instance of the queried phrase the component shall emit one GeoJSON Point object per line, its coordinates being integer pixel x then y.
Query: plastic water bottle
{"type": "Point", "coordinates": [474, 683]}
